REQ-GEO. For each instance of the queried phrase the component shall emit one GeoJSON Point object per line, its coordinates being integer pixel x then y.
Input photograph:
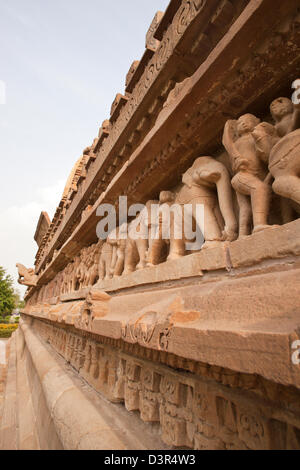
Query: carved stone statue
{"type": "Point", "coordinates": [27, 277]}
{"type": "Point", "coordinates": [119, 247]}
{"type": "Point", "coordinates": [250, 181]}
{"type": "Point", "coordinates": [92, 272]}
{"type": "Point", "coordinates": [67, 273]}
{"type": "Point", "coordinates": [160, 244]}
{"type": "Point", "coordinates": [105, 261]}
{"type": "Point", "coordinates": [137, 243]}
{"type": "Point", "coordinates": [75, 282]}
{"type": "Point", "coordinates": [207, 184]}
{"type": "Point", "coordinates": [286, 116]}
{"type": "Point", "coordinates": [284, 161]}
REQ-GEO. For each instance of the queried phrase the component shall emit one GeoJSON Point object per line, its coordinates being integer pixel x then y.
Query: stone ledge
{"type": "Point", "coordinates": [8, 428]}
{"type": "Point", "coordinates": [276, 243]}
{"type": "Point", "coordinates": [271, 244]}
{"type": "Point", "coordinates": [85, 428]}
{"type": "Point", "coordinates": [68, 407]}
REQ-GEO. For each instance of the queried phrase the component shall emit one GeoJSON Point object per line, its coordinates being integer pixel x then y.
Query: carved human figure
{"type": "Point", "coordinates": [66, 279]}
{"type": "Point", "coordinates": [76, 274]}
{"type": "Point", "coordinates": [58, 284]}
{"type": "Point", "coordinates": [251, 175]}
{"type": "Point", "coordinates": [71, 276]}
{"type": "Point", "coordinates": [119, 247]}
{"type": "Point", "coordinates": [139, 234]}
{"type": "Point", "coordinates": [286, 115]}
{"type": "Point", "coordinates": [92, 272]}
{"type": "Point", "coordinates": [159, 245]}
{"type": "Point", "coordinates": [87, 266]}
{"type": "Point", "coordinates": [284, 161]}
{"type": "Point", "coordinates": [105, 261]}
{"type": "Point", "coordinates": [84, 255]}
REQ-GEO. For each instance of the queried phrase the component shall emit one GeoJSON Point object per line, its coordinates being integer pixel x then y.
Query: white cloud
{"type": "Point", "coordinates": [18, 224]}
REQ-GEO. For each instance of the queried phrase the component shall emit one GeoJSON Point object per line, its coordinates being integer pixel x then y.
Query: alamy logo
{"type": "Point", "coordinates": [2, 92]}
{"type": "Point", "coordinates": [153, 221]}
{"type": "Point", "coordinates": [296, 94]}
{"type": "Point", "coordinates": [296, 354]}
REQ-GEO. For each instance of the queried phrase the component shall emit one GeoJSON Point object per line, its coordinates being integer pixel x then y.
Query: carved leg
{"type": "Point", "coordinates": [155, 252]}
{"type": "Point", "coordinates": [212, 230]}
{"type": "Point", "coordinates": [260, 200]}
{"type": "Point", "coordinates": [101, 269]}
{"type": "Point", "coordinates": [108, 273]}
{"type": "Point", "coordinates": [119, 268]}
{"type": "Point", "coordinates": [131, 256]}
{"type": "Point", "coordinates": [260, 192]}
{"type": "Point", "coordinates": [177, 249]}
{"type": "Point", "coordinates": [245, 215]}
{"type": "Point", "coordinates": [178, 233]}
{"type": "Point", "coordinates": [142, 247]}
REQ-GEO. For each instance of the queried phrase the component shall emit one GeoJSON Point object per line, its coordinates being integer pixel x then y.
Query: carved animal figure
{"type": "Point", "coordinates": [139, 234]}
{"type": "Point", "coordinates": [206, 184]}
{"type": "Point", "coordinates": [27, 277]}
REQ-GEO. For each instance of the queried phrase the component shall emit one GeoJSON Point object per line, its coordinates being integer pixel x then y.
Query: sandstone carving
{"type": "Point", "coordinates": [284, 162]}
{"type": "Point", "coordinates": [250, 181]}
{"type": "Point", "coordinates": [137, 243]}
{"type": "Point", "coordinates": [92, 267]}
{"type": "Point", "coordinates": [27, 277]}
{"type": "Point", "coordinates": [119, 247]}
{"type": "Point", "coordinates": [160, 244]}
{"type": "Point", "coordinates": [106, 260]}
{"type": "Point", "coordinates": [207, 183]}
{"type": "Point", "coordinates": [199, 340]}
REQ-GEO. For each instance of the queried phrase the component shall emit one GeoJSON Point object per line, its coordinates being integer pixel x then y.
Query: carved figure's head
{"type": "Point", "coordinates": [166, 196]}
{"type": "Point", "coordinates": [247, 123]}
{"type": "Point", "coordinates": [280, 108]}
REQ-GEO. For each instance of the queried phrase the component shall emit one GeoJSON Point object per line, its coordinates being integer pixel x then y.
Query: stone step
{"type": "Point", "coordinates": [9, 424]}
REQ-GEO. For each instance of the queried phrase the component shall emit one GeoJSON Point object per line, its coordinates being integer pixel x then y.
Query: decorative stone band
{"type": "Point", "coordinates": [196, 405]}
{"type": "Point", "coordinates": [77, 422]}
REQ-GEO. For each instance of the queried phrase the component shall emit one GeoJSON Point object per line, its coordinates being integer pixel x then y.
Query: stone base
{"type": "Point", "coordinates": [183, 403]}
{"type": "Point", "coordinates": [197, 351]}
{"type": "Point", "coordinates": [48, 406]}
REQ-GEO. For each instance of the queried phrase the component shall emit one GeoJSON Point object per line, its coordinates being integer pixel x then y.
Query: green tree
{"type": "Point", "coordinates": [7, 294]}
{"type": "Point", "coordinates": [19, 303]}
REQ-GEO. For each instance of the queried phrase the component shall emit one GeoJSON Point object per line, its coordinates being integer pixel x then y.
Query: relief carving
{"type": "Point", "coordinates": [194, 411]}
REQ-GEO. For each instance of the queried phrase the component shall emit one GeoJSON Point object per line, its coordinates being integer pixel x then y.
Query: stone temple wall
{"type": "Point", "coordinates": [147, 344]}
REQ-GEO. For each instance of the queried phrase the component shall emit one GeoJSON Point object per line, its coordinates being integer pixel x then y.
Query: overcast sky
{"type": "Point", "coordinates": [62, 63]}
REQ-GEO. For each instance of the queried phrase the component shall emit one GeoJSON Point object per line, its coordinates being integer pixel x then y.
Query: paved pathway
{"type": "Point", "coordinates": [2, 350]}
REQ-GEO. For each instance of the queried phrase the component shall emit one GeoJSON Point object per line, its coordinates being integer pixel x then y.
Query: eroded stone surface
{"type": "Point", "coordinates": [199, 343]}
